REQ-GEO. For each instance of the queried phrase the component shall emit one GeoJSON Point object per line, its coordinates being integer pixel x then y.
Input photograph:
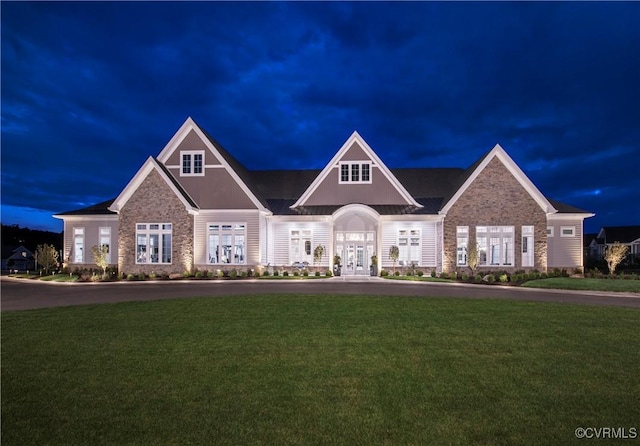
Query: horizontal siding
{"type": "Point", "coordinates": [320, 235]}
{"type": "Point", "coordinates": [91, 238]}
{"type": "Point", "coordinates": [250, 218]}
{"type": "Point", "coordinates": [428, 232]}
{"type": "Point", "coordinates": [564, 252]}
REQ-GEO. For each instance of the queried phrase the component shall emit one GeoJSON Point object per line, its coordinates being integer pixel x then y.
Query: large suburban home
{"type": "Point", "coordinates": [194, 206]}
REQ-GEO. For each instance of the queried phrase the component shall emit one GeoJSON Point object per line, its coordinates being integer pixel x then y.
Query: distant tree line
{"type": "Point", "coordinates": [13, 236]}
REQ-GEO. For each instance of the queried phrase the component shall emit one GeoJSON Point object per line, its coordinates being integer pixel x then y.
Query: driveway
{"type": "Point", "coordinates": [23, 294]}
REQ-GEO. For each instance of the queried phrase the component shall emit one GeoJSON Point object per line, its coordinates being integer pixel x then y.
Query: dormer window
{"type": "Point", "coordinates": [355, 172]}
{"type": "Point", "coordinates": [192, 163]}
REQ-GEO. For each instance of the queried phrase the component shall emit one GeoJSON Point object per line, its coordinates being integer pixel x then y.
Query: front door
{"type": "Point", "coordinates": [355, 259]}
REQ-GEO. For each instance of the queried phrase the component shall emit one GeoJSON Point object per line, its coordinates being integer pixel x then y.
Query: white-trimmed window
{"type": "Point", "coordinates": [495, 245]}
{"type": "Point", "coordinates": [300, 246]}
{"type": "Point", "coordinates": [567, 231]}
{"type": "Point", "coordinates": [153, 243]}
{"type": "Point", "coordinates": [528, 256]}
{"type": "Point", "coordinates": [227, 243]}
{"type": "Point", "coordinates": [461, 245]}
{"type": "Point", "coordinates": [549, 231]}
{"type": "Point", "coordinates": [355, 172]}
{"type": "Point", "coordinates": [105, 241]}
{"type": "Point", "coordinates": [78, 245]}
{"type": "Point", "coordinates": [409, 245]}
{"type": "Point", "coordinates": [192, 163]}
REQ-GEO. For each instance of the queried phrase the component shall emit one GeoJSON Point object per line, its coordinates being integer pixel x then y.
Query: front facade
{"type": "Point", "coordinates": [194, 206]}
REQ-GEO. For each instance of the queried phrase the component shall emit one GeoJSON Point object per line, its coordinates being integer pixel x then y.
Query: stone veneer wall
{"type": "Point", "coordinates": [155, 202]}
{"type": "Point", "coordinates": [496, 198]}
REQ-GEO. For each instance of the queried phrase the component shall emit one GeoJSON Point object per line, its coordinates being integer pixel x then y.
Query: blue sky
{"type": "Point", "coordinates": [91, 89]}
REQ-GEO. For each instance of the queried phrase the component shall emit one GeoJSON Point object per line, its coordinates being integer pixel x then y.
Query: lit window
{"type": "Point", "coordinates": [192, 163]}
{"type": "Point", "coordinates": [78, 245]}
{"type": "Point", "coordinates": [153, 243]}
{"type": "Point", "coordinates": [549, 231]}
{"type": "Point", "coordinates": [409, 246]}
{"type": "Point", "coordinates": [567, 231]}
{"type": "Point", "coordinates": [300, 247]}
{"type": "Point", "coordinates": [495, 245]}
{"type": "Point", "coordinates": [105, 242]}
{"type": "Point", "coordinates": [355, 172]}
{"type": "Point", "coordinates": [227, 243]}
{"type": "Point", "coordinates": [462, 243]}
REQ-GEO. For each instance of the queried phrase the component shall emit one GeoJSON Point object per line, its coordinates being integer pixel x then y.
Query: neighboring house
{"type": "Point", "coordinates": [196, 206]}
{"type": "Point", "coordinates": [21, 259]}
{"type": "Point", "coordinates": [608, 235]}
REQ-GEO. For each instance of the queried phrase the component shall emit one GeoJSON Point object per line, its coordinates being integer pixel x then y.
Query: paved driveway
{"type": "Point", "coordinates": [22, 294]}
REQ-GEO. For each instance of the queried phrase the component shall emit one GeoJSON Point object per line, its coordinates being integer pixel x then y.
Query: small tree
{"type": "Point", "coordinates": [394, 253]}
{"type": "Point", "coordinates": [614, 254]}
{"type": "Point", "coordinates": [318, 252]}
{"type": "Point", "coordinates": [100, 257]}
{"type": "Point", "coordinates": [47, 256]}
{"type": "Point", "coordinates": [473, 257]}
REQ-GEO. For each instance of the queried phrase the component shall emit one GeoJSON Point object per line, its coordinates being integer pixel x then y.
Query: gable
{"type": "Point", "coordinates": [333, 187]}
{"type": "Point", "coordinates": [221, 183]}
{"type": "Point", "coordinates": [499, 161]}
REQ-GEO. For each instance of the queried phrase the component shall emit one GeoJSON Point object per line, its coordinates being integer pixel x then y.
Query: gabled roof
{"type": "Point", "coordinates": [355, 138]}
{"type": "Point", "coordinates": [622, 234]}
{"type": "Point", "coordinates": [237, 171]}
{"type": "Point", "coordinates": [95, 209]}
{"type": "Point", "coordinates": [472, 173]}
{"type": "Point", "coordinates": [150, 165]}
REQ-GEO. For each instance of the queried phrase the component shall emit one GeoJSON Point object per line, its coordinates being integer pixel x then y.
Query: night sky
{"type": "Point", "coordinates": [90, 90]}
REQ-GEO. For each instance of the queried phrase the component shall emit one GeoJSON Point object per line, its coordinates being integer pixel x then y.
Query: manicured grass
{"type": "Point", "coordinates": [318, 370]}
{"type": "Point", "coordinates": [419, 278]}
{"type": "Point", "coordinates": [570, 283]}
{"type": "Point", "coordinates": [60, 278]}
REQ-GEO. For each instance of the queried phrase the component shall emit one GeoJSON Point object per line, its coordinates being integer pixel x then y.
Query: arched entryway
{"type": "Point", "coordinates": [355, 228]}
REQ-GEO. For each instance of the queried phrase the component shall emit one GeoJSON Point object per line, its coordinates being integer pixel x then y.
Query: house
{"type": "Point", "coordinates": [195, 206]}
{"type": "Point", "coordinates": [627, 235]}
{"type": "Point", "coordinates": [21, 259]}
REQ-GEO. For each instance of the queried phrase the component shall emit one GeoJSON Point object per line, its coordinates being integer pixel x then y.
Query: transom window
{"type": "Point", "coordinates": [495, 245]}
{"type": "Point", "coordinates": [227, 243]}
{"type": "Point", "coordinates": [567, 231]}
{"type": "Point", "coordinates": [192, 163]}
{"type": "Point", "coordinates": [409, 246]}
{"type": "Point", "coordinates": [357, 172]}
{"type": "Point", "coordinates": [153, 243]}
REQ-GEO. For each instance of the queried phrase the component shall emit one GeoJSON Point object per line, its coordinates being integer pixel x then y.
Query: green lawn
{"type": "Point", "coordinates": [320, 370]}
{"type": "Point", "coordinates": [570, 283]}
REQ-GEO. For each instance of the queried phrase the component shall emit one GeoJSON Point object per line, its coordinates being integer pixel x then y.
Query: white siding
{"type": "Point", "coordinates": [428, 232]}
{"type": "Point", "coordinates": [91, 227]}
{"type": "Point", "coordinates": [280, 234]}
{"type": "Point", "coordinates": [249, 217]}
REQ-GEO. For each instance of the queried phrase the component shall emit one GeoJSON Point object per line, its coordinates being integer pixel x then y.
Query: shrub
{"type": "Point", "coordinates": [296, 273]}
{"type": "Point", "coordinates": [275, 273]}
{"type": "Point", "coordinates": [220, 273]}
{"type": "Point", "coordinates": [433, 273]}
{"type": "Point", "coordinates": [491, 278]}
{"type": "Point", "coordinates": [141, 276]}
{"type": "Point", "coordinates": [285, 274]}
{"type": "Point", "coordinates": [420, 273]}
{"type": "Point", "coordinates": [453, 275]}
{"type": "Point", "coordinates": [504, 277]}
{"type": "Point", "coordinates": [384, 273]}
{"type": "Point", "coordinates": [198, 275]}
{"type": "Point", "coordinates": [210, 274]}
{"type": "Point", "coordinates": [265, 273]}
{"type": "Point", "coordinates": [409, 273]}
{"type": "Point", "coordinates": [443, 275]}
{"type": "Point", "coordinates": [465, 277]}
{"type": "Point", "coordinates": [397, 273]}
{"type": "Point", "coordinates": [477, 278]}
{"type": "Point", "coordinates": [233, 273]}
{"type": "Point", "coordinates": [317, 273]}
{"type": "Point", "coordinates": [328, 273]}
{"type": "Point", "coordinates": [186, 274]}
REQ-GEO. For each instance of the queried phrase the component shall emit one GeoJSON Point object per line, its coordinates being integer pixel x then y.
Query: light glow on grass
{"type": "Point", "coordinates": [317, 370]}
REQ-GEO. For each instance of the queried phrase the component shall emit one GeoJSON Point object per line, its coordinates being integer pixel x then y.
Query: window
{"type": "Point", "coordinates": [192, 163]}
{"type": "Point", "coordinates": [495, 245]}
{"type": "Point", "coordinates": [462, 243]}
{"type": "Point", "coordinates": [78, 245]}
{"type": "Point", "coordinates": [300, 246]}
{"type": "Point", "coordinates": [227, 243]}
{"type": "Point", "coordinates": [105, 242]}
{"type": "Point", "coordinates": [527, 246]}
{"type": "Point", "coordinates": [153, 243]}
{"type": "Point", "coordinates": [409, 245]}
{"type": "Point", "coordinates": [355, 172]}
{"type": "Point", "coordinates": [567, 231]}
{"type": "Point", "coordinates": [549, 231]}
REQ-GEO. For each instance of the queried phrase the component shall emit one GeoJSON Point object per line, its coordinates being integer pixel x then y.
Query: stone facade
{"type": "Point", "coordinates": [496, 198]}
{"type": "Point", "coordinates": [155, 202]}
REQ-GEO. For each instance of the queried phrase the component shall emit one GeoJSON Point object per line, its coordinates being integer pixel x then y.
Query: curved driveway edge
{"type": "Point", "coordinates": [24, 294]}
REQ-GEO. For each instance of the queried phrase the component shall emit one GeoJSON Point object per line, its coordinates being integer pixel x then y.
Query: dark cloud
{"type": "Point", "coordinates": [91, 89]}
